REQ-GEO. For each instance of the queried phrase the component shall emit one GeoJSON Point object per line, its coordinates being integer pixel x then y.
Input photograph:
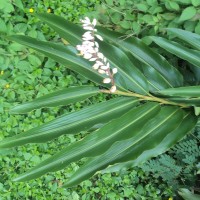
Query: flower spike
{"type": "Point", "coordinates": [90, 51]}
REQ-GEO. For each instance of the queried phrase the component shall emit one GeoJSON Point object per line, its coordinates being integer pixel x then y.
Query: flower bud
{"type": "Point", "coordinates": [106, 80]}
{"type": "Point", "coordinates": [114, 70]}
{"type": "Point", "coordinates": [113, 89]}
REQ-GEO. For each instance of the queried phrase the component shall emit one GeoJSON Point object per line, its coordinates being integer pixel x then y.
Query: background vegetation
{"type": "Point", "coordinates": [25, 75]}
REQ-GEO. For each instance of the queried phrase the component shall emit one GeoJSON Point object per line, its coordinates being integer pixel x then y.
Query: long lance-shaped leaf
{"type": "Point", "coordinates": [168, 74]}
{"type": "Point", "coordinates": [154, 78]}
{"type": "Point", "coordinates": [175, 48]}
{"type": "Point", "coordinates": [187, 195]}
{"type": "Point", "coordinates": [74, 122]}
{"type": "Point", "coordinates": [142, 52]}
{"type": "Point", "coordinates": [61, 97]}
{"type": "Point", "coordinates": [151, 134]}
{"type": "Point", "coordinates": [129, 76]}
{"type": "Point", "coordinates": [66, 55]}
{"type": "Point", "coordinates": [97, 142]}
{"type": "Point", "coordinates": [191, 38]}
{"type": "Point", "coordinates": [188, 91]}
{"type": "Point", "coordinates": [188, 123]}
{"type": "Point", "coordinates": [67, 30]}
{"type": "Point", "coordinates": [185, 100]}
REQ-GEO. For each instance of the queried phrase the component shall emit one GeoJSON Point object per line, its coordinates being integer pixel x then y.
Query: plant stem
{"type": "Point", "coordinates": [146, 98]}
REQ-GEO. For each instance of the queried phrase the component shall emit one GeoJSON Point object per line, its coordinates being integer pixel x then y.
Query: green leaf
{"type": "Point", "coordinates": [129, 77]}
{"type": "Point", "coordinates": [34, 60]}
{"type": "Point", "coordinates": [185, 100]}
{"type": "Point", "coordinates": [61, 97]}
{"type": "Point", "coordinates": [66, 55]}
{"type": "Point", "coordinates": [142, 7]}
{"type": "Point", "coordinates": [187, 36]}
{"type": "Point", "coordinates": [19, 4]}
{"type": "Point", "coordinates": [188, 123]}
{"type": "Point", "coordinates": [97, 142]}
{"type": "Point", "coordinates": [3, 27]}
{"type": "Point", "coordinates": [175, 48]}
{"type": "Point", "coordinates": [142, 52]}
{"type": "Point", "coordinates": [187, 195]}
{"type": "Point", "coordinates": [67, 30]}
{"type": "Point", "coordinates": [187, 13]}
{"type": "Point", "coordinates": [189, 91]}
{"type": "Point", "coordinates": [73, 33]}
{"type": "Point", "coordinates": [195, 3]}
{"type": "Point", "coordinates": [149, 137]}
{"type": "Point", "coordinates": [74, 122]}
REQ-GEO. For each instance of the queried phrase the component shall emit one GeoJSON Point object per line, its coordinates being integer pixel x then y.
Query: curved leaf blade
{"type": "Point", "coordinates": [142, 52]}
{"type": "Point", "coordinates": [136, 47]}
{"type": "Point", "coordinates": [128, 76]}
{"type": "Point", "coordinates": [66, 55]}
{"type": "Point", "coordinates": [190, 55]}
{"type": "Point", "coordinates": [61, 97]}
{"type": "Point", "coordinates": [97, 142]}
{"type": "Point", "coordinates": [152, 133]}
{"type": "Point", "coordinates": [188, 91]}
{"type": "Point", "coordinates": [67, 30]}
{"type": "Point", "coordinates": [188, 123]}
{"type": "Point", "coordinates": [187, 195]}
{"type": "Point", "coordinates": [74, 122]}
{"type": "Point", "coordinates": [191, 38]}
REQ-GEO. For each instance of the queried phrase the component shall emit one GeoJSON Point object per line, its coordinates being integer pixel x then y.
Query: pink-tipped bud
{"type": "Point", "coordinates": [106, 80]}
{"type": "Point", "coordinates": [113, 89]}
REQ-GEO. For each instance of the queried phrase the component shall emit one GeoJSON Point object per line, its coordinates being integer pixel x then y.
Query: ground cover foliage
{"type": "Point", "coordinates": [22, 80]}
{"type": "Point", "coordinates": [149, 17]}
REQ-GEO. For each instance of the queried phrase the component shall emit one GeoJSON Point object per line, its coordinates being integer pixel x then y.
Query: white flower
{"type": "Point", "coordinates": [99, 62]}
{"type": "Point", "coordinates": [113, 89]}
{"type": "Point", "coordinates": [87, 56]}
{"type": "Point", "coordinates": [89, 28]}
{"type": "Point", "coordinates": [96, 44]}
{"type": "Point", "coordinates": [94, 22]}
{"type": "Point", "coordinates": [106, 80]}
{"type": "Point", "coordinates": [95, 66]}
{"type": "Point", "coordinates": [99, 37]}
{"type": "Point", "coordinates": [114, 70]}
{"type": "Point", "coordinates": [92, 59]}
{"type": "Point", "coordinates": [100, 55]}
{"type": "Point", "coordinates": [104, 67]}
{"type": "Point", "coordinates": [101, 71]}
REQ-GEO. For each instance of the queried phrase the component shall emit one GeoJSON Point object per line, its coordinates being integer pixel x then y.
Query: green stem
{"type": "Point", "coordinates": [146, 98]}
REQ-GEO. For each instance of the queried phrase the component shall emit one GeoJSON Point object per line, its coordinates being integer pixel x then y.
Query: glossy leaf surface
{"type": "Point", "coordinates": [67, 30]}
{"type": "Point", "coordinates": [96, 143]}
{"type": "Point", "coordinates": [188, 91]}
{"type": "Point", "coordinates": [66, 55]}
{"type": "Point", "coordinates": [74, 122]}
{"type": "Point", "coordinates": [142, 52]}
{"type": "Point", "coordinates": [62, 97]}
{"type": "Point", "coordinates": [188, 123]}
{"type": "Point", "coordinates": [151, 135]}
{"type": "Point", "coordinates": [175, 48]}
{"type": "Point", "coordinates": [191, 38]}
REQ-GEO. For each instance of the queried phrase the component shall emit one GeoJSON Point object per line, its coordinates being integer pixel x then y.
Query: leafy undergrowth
{"type": "Point", "coordinates": [25, 75]}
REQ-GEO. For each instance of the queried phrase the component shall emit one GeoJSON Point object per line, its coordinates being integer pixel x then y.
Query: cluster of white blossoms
{"type": "Point", "coordinates": [89, 49]}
